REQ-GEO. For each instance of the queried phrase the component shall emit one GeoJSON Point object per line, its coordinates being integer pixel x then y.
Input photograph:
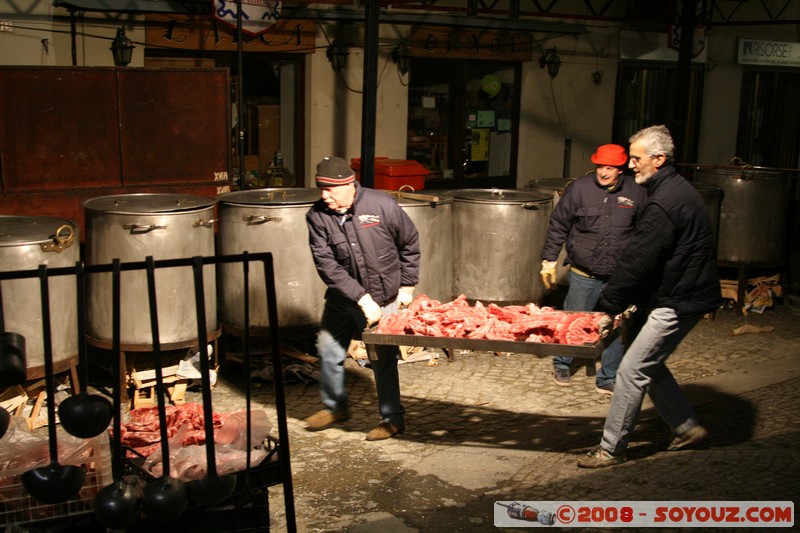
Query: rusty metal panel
{"type": "Point", "coordinates": [59, 128]}
{"type": "Point", "coordinates": [174, 125]}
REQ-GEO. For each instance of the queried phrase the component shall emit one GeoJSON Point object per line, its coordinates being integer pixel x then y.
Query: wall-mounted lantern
{"type": "Point", "coordinates": [122, 48]}
{"type": "Point", "coordinates": [337, 53]}
{"type": "Point", "coordinates": [401, 54]}
{"type": "Point", "coordinates": [550, 60]}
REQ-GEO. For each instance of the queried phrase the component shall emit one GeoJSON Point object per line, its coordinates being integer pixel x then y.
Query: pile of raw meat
{"type": "Point", "coordinates": [143, 434]}
{"type": "Point", "coordinates": [458, 319]}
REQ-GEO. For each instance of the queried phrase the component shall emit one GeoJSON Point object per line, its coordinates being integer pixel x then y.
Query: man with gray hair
{"type": "Point", "coordinates": [366, 250]}
{"type": "Point", "coordinates": [668, 267]}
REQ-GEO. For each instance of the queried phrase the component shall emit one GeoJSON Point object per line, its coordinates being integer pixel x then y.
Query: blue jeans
{"type": "Point", "coordinates": [643, 370]}
{"type": "Point", "coordinates": [583, 295]}
{"type": "Point", "coordinates": [342, 320]}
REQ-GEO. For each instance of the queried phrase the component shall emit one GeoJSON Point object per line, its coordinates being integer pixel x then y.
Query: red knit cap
{"type": "Point", "coordinates": [612, 155]}
{"type": "Point", "coordinates": [334, 171]}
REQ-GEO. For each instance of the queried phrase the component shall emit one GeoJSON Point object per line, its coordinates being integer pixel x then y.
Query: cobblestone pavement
{"type": "Point", "coordinates": [489, 427]}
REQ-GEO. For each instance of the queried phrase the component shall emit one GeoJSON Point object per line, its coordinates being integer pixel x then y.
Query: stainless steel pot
{"type": "Point", "coordinates": [753, 213]}
{"type": "Point", "coordinates": [433, 219]}
{"type": "Point", "coordinates": [556, 187]}
{"type": "Point", "coordinates": [499, 235]}
{"type": "Point", "coordinates": [269, 220]}
{"type": "Point", "coordinates": [25, 243]}
{"type": "Point", "coordinates": [712, 195]}
{"type": "Point", "coordinates": [132, 227]}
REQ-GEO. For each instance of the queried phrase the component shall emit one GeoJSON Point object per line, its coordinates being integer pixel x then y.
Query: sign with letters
{"type": "Point", "coordinates": [257, 15]}
{"type": "Point", "coordinates": [775, 53]}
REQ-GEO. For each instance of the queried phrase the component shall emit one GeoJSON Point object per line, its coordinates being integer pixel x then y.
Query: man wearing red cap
{"type": "Point", "coordinates": [594, 218]}
{"type": "Point", "coordinates": [366, 250]}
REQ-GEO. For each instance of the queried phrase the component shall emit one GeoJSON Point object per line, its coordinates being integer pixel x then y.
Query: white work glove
{"type": "Point", "coordinates": [405, 296]}
{"type": "Point", "coordinates": [370, 309]}
{"type": "Point", "coordinates": [548, 273]}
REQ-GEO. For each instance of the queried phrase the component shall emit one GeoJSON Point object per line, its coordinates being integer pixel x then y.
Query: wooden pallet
{"type": "Point", "coordinates": [144, 386]}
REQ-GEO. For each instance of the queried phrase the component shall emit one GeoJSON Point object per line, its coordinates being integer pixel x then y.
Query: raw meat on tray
{"type": "Point", "coordinates": [458, 319]}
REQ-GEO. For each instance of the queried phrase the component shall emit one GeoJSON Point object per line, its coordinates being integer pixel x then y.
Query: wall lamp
{"type": "Point", "coordinates": [122, 48]}
{"type": "Point", "coordinates": [337, 53]}
{"type": "Point", "coordinates": [550, 60]}
{"type": "Point", "coordinates": [402, 56]}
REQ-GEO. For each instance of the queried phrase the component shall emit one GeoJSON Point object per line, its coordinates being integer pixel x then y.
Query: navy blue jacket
{"type": "Point", "coordinates": [670, 260]}
{"type": "Point", "coordinates": [594, 222]}
{"type": "Point", "coordinates": [373, 248]}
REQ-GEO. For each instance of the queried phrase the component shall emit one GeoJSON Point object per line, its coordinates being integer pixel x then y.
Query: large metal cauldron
{"type": "Point", "coordinates": [556, 187]}
{"type": "Point", "coordinates": [793, 235]}
{"type": "Point", "coordinates": [132, 227]}
{"type": "Point", "coordinates": [712, 196]}
{"type": "Point", "coordinates": [269, 220]}
{"type": "Point", "coordinates": [753, 213]}
{"type": "Point", "coordinates": [499, 235]}
{"type": "Point", "coordinates": [433, 219]}
{"type": "Point", "coordinates": [25, 243]}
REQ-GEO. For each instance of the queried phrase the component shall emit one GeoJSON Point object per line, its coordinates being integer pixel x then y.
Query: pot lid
{"type": "Point", "coordinates": [501, 196]}
{"type": "Point", "coordinates": [556, 184]}
{"type": "Point", "coordinates": [736, 172]}
{"type": "Point", "coordinates": [145, 203]}
{"type": "Point", "coordinates": [276, 196]}
{"type": "Point", "coordinates": [421, 198]}
{"type": "Point", "coordinates": [22, 230]}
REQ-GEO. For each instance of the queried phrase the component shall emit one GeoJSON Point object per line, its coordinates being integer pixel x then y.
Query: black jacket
{"type": "Point", "coordinates": [670, 260]}
{"type": "Point", "coordinates": [373, 248]}
{"type": "Point", "coordinates": [594, 222]}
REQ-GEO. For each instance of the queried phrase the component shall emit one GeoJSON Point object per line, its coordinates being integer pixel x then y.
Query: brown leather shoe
{"type": "Point", "coordinates": [385, 430]}
{"type": "Point", "coordinates": [324, 419]}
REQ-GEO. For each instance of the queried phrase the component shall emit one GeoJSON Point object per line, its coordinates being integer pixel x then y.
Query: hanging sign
{"type": "Point", "coordinates": [776, 53]}
{"type": "Point", "coordinates": [258, 16]}
{"type": "Point", "coordinates": [457, 43]}
{"type": "Point", "coordinates": [207, 33]}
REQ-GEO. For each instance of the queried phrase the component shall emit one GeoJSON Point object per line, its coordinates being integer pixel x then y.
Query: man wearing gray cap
{"type": "Point", "coordinates": [366, 250]}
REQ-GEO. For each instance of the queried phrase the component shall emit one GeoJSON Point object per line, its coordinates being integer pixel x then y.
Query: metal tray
{"type": "Point", "coordinates": [541, 349]}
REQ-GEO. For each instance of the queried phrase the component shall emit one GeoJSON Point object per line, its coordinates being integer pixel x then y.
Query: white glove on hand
{"type": "Point", "coordinates": [405, 296]}
{"type": "Point", "coordinates": [548, 273]}
{"type": "Point", "coordinates": [370, 309]}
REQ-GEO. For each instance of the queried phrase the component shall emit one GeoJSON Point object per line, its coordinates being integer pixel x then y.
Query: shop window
{"type": "Point", "coordinates": [769, 119]}
{"type": "Point", "coordinates": [646, 96]}
{"type": "Point", "coordinates": [463, 122]}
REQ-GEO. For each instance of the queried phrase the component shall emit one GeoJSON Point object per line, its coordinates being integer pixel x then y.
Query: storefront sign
{"type": "Point", "coordinates": [454, 43]}
{"type": "Point", "coordinates": [652, 46]}
{"type": "Point", "coordinates": [198, 33]}
{"type": "Point", "coordinates": [776, 53]}
{"type": "Point", "coordinates": [257, 15]}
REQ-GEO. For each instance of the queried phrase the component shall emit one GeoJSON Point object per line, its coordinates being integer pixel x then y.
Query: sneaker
{"type": "Point", "coordinates": [599, 458]}
{"type": "Point", "coordinates": [324, 419]}
{"type": "Point", "coordinates": [607, 389]}
{"type": "Point", "coordinates": [385, 430]}
{"type": "Point", "coordinates": [689, 438]}
{"type": "Point", "coordinates": [561, 376]}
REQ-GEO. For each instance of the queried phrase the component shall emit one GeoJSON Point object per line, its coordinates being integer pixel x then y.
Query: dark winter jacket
{"type": "Point", "coordinates": [594, 222]}
{"type": "Point", "coordinates": [373, 248]}
{"type": "Point", "coordinates": [670, 259]}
